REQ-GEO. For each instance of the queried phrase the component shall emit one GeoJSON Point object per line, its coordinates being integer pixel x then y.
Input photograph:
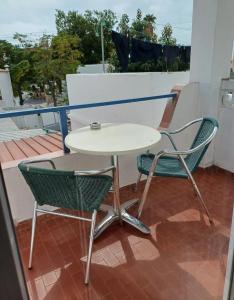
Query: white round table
{"type": "Point", "coordinates": [114, 139]}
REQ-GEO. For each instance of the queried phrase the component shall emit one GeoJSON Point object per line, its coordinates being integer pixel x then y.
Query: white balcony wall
{"type": "Point", "coordinates": [92, 69]}
{"type": "Point", "coordinates": [212, 44]}
{"type": "Point", "coordinates": [86, 88]}
{"type": "Point", "coordinates": [224, 146]}
{"type": "Point", "coordinates": [6, 91]}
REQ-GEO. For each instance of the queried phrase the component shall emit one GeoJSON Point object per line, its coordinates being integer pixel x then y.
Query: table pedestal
{"type": "Point", "coordinates": [118, 212]}
{"type": "Point", "coordinates": [113, 216]}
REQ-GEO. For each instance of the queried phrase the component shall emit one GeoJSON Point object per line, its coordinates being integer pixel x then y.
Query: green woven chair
{"type": "Point", "coordinates": [177, 163]}
{"type": "Point", "coordinates": [77, 190]}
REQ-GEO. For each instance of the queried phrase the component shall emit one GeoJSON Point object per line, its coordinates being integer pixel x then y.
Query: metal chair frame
{"type": "Point", "coordinates": [180, 155]}
{"type": "Point", "coordinates": [92, 219]}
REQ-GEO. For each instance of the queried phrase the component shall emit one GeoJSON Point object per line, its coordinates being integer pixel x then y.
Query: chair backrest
{"type": "Point", "coordinates": [64, 189]}
{"type": "Point", "coordinates": [207, 128]}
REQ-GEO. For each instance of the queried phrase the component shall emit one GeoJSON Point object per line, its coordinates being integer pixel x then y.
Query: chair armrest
{"type": "Point", "coordinates": [185, 126]}
{"type": "Point", "coordinates": [27, 162]}
{"type": "Point", "coordinates": [170, 138]}
{"type": "Point", "coordinates": [189, 151]}
{"type": "Point", "coordinates": [94, 172]}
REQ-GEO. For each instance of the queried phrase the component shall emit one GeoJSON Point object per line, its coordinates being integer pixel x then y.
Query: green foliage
{"type": "Point", "coordinates": [22, 40]}
{"type": "Point", "coordinates": [158, 65]}
{"type": "Point", "coordinates": [41, 66]}
{"type": "Point", "coordinates": [45, 63]}
{"type": "Point", "coordinates": [19, 71]}
{"type": "Point", "coordinates": [166, 36]}
{"type": "Point", "coordinates": [18, 60]}
{"type": "Point", "coordinates": [54, 58]}
{"type": "Point", "coordinates": [6, 50]}
{"type": "Point", "coordinates": [123, 26]}
{"type": "Point", "coordinates": [87, 27]}
{"type": "Point", "coordinates": [143, 28]}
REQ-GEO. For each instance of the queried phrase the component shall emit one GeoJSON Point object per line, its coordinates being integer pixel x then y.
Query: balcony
{"type": "Point", "coordinates": [184, 257]}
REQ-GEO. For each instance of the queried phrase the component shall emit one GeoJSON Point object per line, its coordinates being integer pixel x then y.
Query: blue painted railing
{"type": "Point", "coordinates": [62, 110]}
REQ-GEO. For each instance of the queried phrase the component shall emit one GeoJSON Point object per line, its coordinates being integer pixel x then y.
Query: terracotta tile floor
{"type": "Point", "coordinates": [183, 258]}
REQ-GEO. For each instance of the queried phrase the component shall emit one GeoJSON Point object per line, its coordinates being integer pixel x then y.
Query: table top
{"type": "Point", "coordinates": [113, 139]}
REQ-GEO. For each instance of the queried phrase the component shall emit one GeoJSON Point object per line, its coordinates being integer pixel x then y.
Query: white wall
{"type": "Point", "coordinates": [212, 42]}
{"type": "Point", "coordinates": [107, 87]}
{"type": "Point", "coordinates": [92, 69]}
{"type": "Point", "coordinates": [6, 89]}
{"type": "Point", "coordinates": [187, 109]}
{"type": "Point", "coordinates": [224, 146]}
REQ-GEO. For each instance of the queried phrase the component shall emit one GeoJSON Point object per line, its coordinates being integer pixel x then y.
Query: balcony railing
{"type": "Point", "coordinates": [62, 110]}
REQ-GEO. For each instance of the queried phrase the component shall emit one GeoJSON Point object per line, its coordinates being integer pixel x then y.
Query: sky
{"type": "Point", "coordinates": [37, 17]}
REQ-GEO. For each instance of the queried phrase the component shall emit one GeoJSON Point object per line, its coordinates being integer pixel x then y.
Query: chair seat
{"type": "Point", "coordinates": [166, 166]}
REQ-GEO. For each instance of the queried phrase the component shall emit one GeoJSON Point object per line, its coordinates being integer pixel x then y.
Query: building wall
{"type": "Point", "coordinates": [6, 89]}
{"type": "Point", "coordinates": [212, 44]}
{"type": "Point", "coordinates": [107, 87]}
{"type": "Point", "coordinates": [92, 69]}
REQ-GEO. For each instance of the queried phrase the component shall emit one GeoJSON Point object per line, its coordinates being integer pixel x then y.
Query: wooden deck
{"type": "Point", "coordinates": [30, 147]}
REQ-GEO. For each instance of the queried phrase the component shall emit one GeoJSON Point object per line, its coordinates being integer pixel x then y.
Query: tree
{"type": "Point", "coordinates": [143, 28]}
{"type": "Point", "coordinates": [166, 36]}
{"type": "Point", "coordinates": [123, 26]}
{"type": "Point", "coordinates": [54, 57]}
{"type": "Point", "coordinates": [17, 59]}
{"type": "Point", "coordinates": [149, 27]}
{"type": "Point", "coordinates": [18, 75]}
{"type": "Point", "coordinates": [87, 27]}
{"type": "Point", "coordinates": [23, 40]}
{"type": "Point", "coordinates": [6, 50]}
{"type": "Point", "coordinates": [137, 27]}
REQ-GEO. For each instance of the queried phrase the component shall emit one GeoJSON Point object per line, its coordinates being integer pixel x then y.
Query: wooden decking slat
{"type": "Point", "coordinates": [53, 141]}
{"type": "Point", "coordinates": [5, 155]}
{"type": "Point", "coordinates": [14, 150]}
{"type": "Point", "coordinates": [36, 146]}
{"type": "Point", "coordinates": [45, 144]}
{"type": "Point", "coordinates": [57, 136]}
{"type": "Point", "coordinates": [30, 147]}
{"type": "Point", "coordinates": [28, 151]}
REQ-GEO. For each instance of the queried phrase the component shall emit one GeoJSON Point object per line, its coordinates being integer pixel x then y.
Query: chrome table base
{"type": "Point", "coordinates": [118, 212]}
{"type": "Point", "coordinates": [113, 216]}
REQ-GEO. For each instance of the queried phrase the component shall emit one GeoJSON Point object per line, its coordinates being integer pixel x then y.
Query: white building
{"type": "Point", "coordinates": [6, 92]}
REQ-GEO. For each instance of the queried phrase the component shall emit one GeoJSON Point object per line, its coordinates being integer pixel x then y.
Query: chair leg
{"type": "Point", "coordinates": [138, 181]}
{"type": "Point", "coordinates": [200, 198]}
{"type": "Point", "coordinates": [145, 194]}
{"type": "Point", "coordinates": [90, 247]}
{"type": "Point", "coordinates": [34, 221]}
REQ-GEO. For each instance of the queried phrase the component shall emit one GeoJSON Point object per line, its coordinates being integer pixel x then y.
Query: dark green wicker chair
{"type": "Point", "coordinates": [78, 190]}
{"type": "Point", "coordinates": [177, 163]}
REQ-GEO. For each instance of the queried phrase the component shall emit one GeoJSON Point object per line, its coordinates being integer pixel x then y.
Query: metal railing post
{"type": "Point", "coordinates": [63, 127]}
